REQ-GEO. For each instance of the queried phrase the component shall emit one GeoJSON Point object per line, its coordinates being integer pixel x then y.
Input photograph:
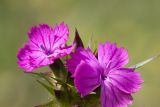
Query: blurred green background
{"type": "Point", "coordinates": [134, 24]}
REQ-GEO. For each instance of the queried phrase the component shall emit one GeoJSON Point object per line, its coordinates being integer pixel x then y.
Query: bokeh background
{"type": "Point", "coordinates": [134, 24]}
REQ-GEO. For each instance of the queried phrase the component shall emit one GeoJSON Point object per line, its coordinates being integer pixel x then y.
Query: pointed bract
{"type": "Point", "coordinates": [77, 40]}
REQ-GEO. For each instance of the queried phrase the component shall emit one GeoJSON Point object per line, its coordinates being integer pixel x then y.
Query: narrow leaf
{"type": "Point", "coordinates": [58, 80]}
{"type": "Point", "coordinates": [90, 42]}
{"type": "Point", "coordinates": [144, 62]}
{"type": "Point", "coordinates": [45, 76]}
{"type": "Point", "coordinates": [63, 83]}
{"type": "Point", "coordinates": [50, 89]}
{"type": "Point", "coordinates": [48, 104]}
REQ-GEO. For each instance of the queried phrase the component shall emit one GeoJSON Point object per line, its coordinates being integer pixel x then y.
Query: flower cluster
{"type": "Point", "coordinates": [88, 70]}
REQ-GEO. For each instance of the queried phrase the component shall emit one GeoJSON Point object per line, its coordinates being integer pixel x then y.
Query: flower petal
{"type": "Point", "coordinates": [39, 59]}
{"type": "Point", "coordinates": [111, 96]}
{"type": "Point", "coordinates": [86, 78]}
{"type": "Point", "coordinates": [80, 55]}
{"type": "Point", "coordinates": [61, 33]}
{"type": "Point", "coordinates": [24, 59]}
{"type": "Point", "coordinates": [41, 36]}
{"type": "Point", "coordinates": [111, 56]}
{"type": "Point", "coordinates": [126, 80]}
{"type": "Point", "coordinates": [63, 51]}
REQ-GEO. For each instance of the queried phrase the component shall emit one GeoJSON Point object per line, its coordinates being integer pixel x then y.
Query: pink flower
{"type": "Point", "coordinates": [117, 83]}
{"type": "Point", "coordinates": [45, 44]}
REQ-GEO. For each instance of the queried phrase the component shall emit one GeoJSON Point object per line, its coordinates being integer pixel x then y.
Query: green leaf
{"type": "Point", "coordinates": [46, 77]}
{"type": "Point", "coordinates": [50, 89]}
{"type": "Point", "coordinates": [90, 42]}
{"type": "Point", "coordinates": [58, 80]}
{"type": "Point", "coordinates": [63, 83]}
{"type": "Point", "coordinates": [58, 69]}
{"type": "Point", "coordinates": [51, 103]}
{"type": "Point", "coordinates": [145, 62]}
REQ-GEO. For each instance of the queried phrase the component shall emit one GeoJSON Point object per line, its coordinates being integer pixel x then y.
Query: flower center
{"type": "Point", "coordinates": [103, 77]}
{"type": "Point", "coordinates": [104, 73]}
{"type": "Point", "coordinates": [46, 51]}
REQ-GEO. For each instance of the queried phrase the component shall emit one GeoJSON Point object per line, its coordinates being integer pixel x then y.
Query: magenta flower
{"type": "Point", "coordinates": [117, 83]}
{"type": "Point", "coordinates": [45, 44]}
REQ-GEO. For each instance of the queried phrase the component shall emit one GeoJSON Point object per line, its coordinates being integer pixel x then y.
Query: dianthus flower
{"type": "Point", "coordinates": [45, 44]}
{"type": "Point", "coordinates": [107, 71]}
